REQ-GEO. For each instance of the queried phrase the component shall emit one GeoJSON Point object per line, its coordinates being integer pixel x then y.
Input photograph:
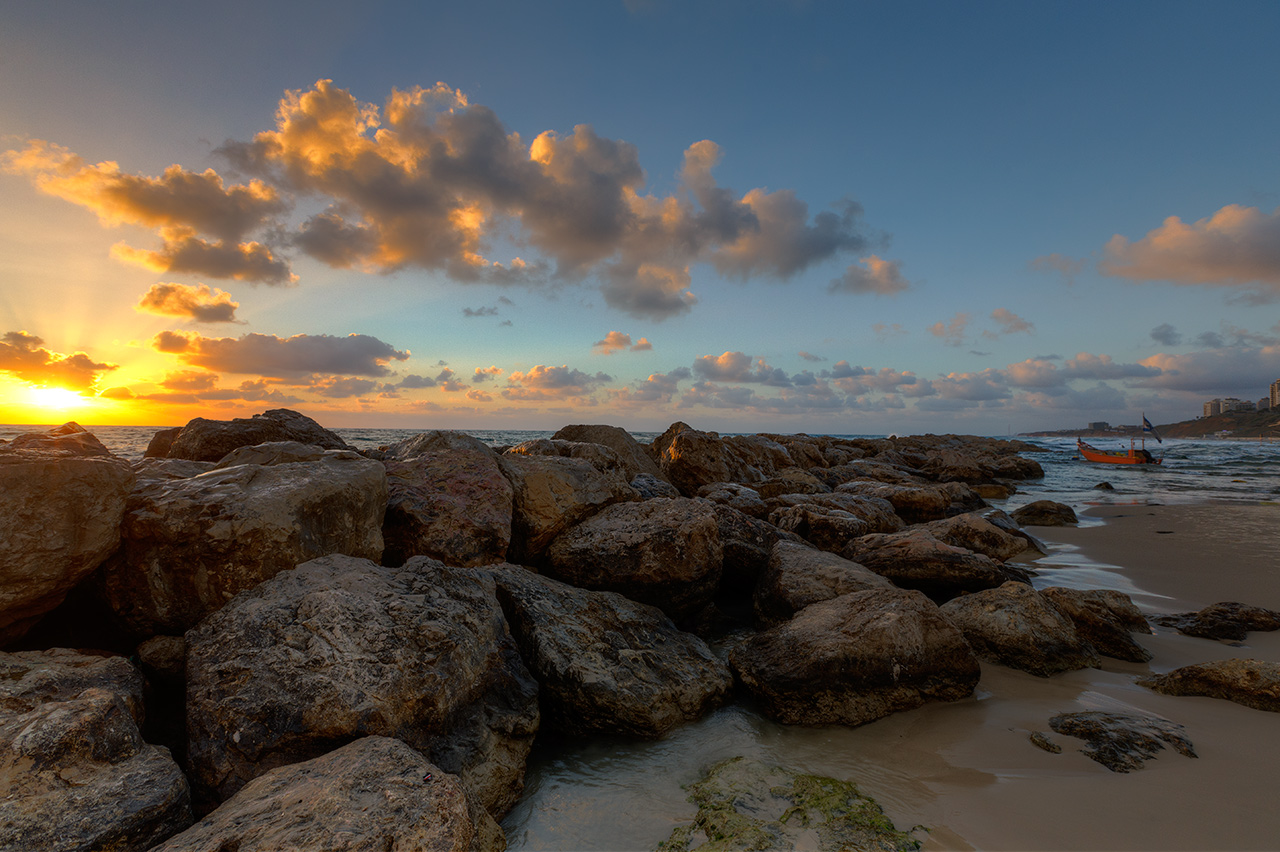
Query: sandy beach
{"type": "Point", "coordinates": [969, 770]}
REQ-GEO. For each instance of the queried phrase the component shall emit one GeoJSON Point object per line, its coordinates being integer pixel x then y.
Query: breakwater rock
{"type": "Point", "coordinates": [394, 627]}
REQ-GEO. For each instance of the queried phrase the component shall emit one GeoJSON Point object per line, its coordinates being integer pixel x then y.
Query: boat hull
{"type": "Point", "coordinates": [1129, 456]}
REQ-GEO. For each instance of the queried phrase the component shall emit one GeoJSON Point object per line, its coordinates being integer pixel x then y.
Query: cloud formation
{"type": "Point", "coordinates": [616, 341]}
{"type": "Point", "coordinates": [739, 367]}
{"type": "Point", "coordinates": [23, 356]}
{"type": "Point", "coordinates": [200, 303]}
{"type": "Point", "coordinates": [180, 205]}
{"type": "Point", "coordinates": [1010, 323]}
{"type": "Point", "coordinates": [1236, 246]}
{"type": "Point", "coordinates": [952, 332]}
{"type": "Point", "coordinates": [882, 277]}
{"type": "Point", "coordinates": [276, 357]}
{"type": "Point", "coordinates": [553, 383]}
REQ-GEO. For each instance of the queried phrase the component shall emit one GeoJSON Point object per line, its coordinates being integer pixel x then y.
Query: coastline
{"type": "Point", "coordinates": [986, 787]}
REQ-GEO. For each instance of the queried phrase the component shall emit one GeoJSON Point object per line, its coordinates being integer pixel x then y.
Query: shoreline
{"type": "Point", "coordinates": [987, 787]}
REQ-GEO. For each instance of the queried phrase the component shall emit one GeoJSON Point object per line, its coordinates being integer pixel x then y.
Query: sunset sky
{"type": "Point", "coordinates": [844, 217]}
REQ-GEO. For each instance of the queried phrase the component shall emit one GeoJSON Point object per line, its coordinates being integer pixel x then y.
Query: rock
{"type": "Point", "coordinates": [1253, 683]}
{"type": "Point", "coordinates": [1002, 519]}
{"type": "Point", "coordinates": [1041, 740]}
{"type": "Point", "coordinates": [1014, 626]}
{"type": "Point", "coordinates": [661, 552]}
{"type": "Point", "coordinates": [447, 499]}
{"type": "Point", "coordinates": [994, 490]}
{"type": "Point", "coordinates": [210, 440]}
{"type": "Point", "coordinates": [913, 503]}
{"type": "Point", "coordinates": [635, 459]}
{"type": "Point", "coordinates": [551, 494]}
{"type": "Point", "coordinates": [1121, 742]}
{"type": "Point", "coordinates": [341, 648]}
{"type": "Point", "coordinates": [833, 522]}
{"type": "Point", "coordinates": [1104, 486]}
{"type": "Point", "coordinates": [61, 501]}
{"type": "Point", "coordinates": [649, 486]}
{"type": "Point", "coordinates": [741, 497]}
{"type": "Point", "coordinates": [189, 545]}
{"type": "Point", "coordinates": [374, 793]}
{"type": "Point", "coordinates": [606, 664]}
{"type": "Point", "coordinates": [600, 457]}
{"type": "Point", "coordinates": [1230, 621]}
{"type": "Point", "coordinates": [791, 480]}
{"type": "Point", "coordinates": [748, 543]}
{"type": "Point", "coordinates": [70, 440]}
{"type": "Point", "coordinates": [164, 658]}
{"type": "Point", "coordinates": [806, 452]}
{"type": "Point", "coordinates": [1103, 618]}
{"type": "Point", "coordinates": [745, 804]}
{"type": "Point", "coordinates": [690, 459]}
{"type": "Point", "coordinates": [1045, 513]}
{"type": "Point", "coordinates": [75, 773]}
{"type": "Point", "coordinates": [914, 559]}
{"type": "Point", "coordinates": [856, 658]}
{"type": "Point", "coordinates": [158, 447]}
{"type": "Point", "coordinates": [973, 532]}
{"type": "Point", "coordinates": [169, 468]}
{"type": "Point", "coordinates": [798, 575]}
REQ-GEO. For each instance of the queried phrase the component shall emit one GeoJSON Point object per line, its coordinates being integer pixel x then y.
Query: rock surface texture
{"type": "Point", "coordinates": [1104, 618]}
{"type": "Point", "coordinates": [210, 440]}
{"type": "Point", "coordinates": [1253, 683]}
{"type": "Point", "coordinates": [1229, 620]}
{"type": "Point", "coordinates": [662, 552]}
{"type": "Point", "coordinates": [745, 804]}
{"type": "Point", "coordinates": [75, 773]}
{"type": "Point", "coordinates": [374, 793]}
{"type": "Point", "coordinates": [914, 559]}
{"type": "Point", "coordinates": [1045, 513]}
{"type": "Point", "coordinates": [799, 575]}
{"type": "Point", "coordinates": [447, 499]}
{"type": "Point", "coordinates": [62, 498]}
{"type": "Point", "coordinates": [1122, 742]}
{"type": "Point", "coordinates": [188, 545]}
{"type": "Point", "coordinates": [1016, 627]}
{"type": "Point", "coordinates": [341, 648]}
{"type": "Point", "coordinates": [856, 658]}
{"type": "Point", "coordinates": [605, 663]}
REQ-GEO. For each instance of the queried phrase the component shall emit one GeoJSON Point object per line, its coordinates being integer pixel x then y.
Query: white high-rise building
{"type": "Point", "coordinates": [1275, 394]}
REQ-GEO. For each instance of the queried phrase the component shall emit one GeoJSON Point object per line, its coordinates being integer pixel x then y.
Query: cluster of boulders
{"type": "Point", "coordinates": [378, 636]}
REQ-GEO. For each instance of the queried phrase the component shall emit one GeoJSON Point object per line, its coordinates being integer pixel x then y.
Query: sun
{"type": "Point", "coordinates": [57, 400]}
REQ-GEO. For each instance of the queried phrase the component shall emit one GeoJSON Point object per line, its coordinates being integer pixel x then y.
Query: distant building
{"type": "Point", "coordinates": [1275, 394]}
{"type": "Point", "coordinates": [1212, 407]}
{"type": "Point", "coordinates": [1264, 403]}
{"type": "Point", "coordinates": [1232, 404]}
{"type": "Point", "coordinates": [1099, 426]}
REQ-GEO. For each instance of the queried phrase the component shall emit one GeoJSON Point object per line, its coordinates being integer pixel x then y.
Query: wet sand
{"type": "Point", "coordinates": [984, 786]}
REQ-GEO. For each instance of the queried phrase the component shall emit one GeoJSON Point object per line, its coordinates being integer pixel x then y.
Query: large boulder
{"type": "Point", "coordinates": [690, 459]}
{"type": "Point", "coordinates": [75, 773]}
{"type": "Point", "coordinates": [745, 804]}
{"type": "Point", "coordinates": [62, 498]}
{"type": "Point", "coordinates": [188, 545]}
{"type": "Point", "coordinates": [635, 459]}
{"type": "Point", "coordinates": [913, 503]}
{"type": "Point", "coordinates": [1016, 627]}
{"type": "Point", "coordinates": [741, 497]}
{"type": "Point", "coordinates": [799, 575]}
{"type": "Point", "coordinates": [833, 522]}
{"type": "Point", "coordinates": [856, 658]}
{"type": "Point", "coordinates": [602, 458]}
{"type": "Point", "coordinates": [1228, 620]}
{"type": "Point", "coordinates": [374, 793]}
{"type": "Point", "coordinates": [973, 532]}
{"type": "Point", "coordinates": [210, 440]}
{"type": "Point", "coordinates": [604, 663]}
{"type": "Point", "coordinates": [551, 494]}
{"type": "Point", "coordinates": [447, 499]}
{"type": "Point", "coordinates": [1104, 618]}
{"type": "Point", "coordinates": [665, 552]}
{"type": "Point", "coordinates": [914, 559]}
{"type": "Point", "coordinates": [748, 543]}
{"type": "Point", "coordinates": [340, 648]}
{"type": "Point", "coordinates": [1253, 683]}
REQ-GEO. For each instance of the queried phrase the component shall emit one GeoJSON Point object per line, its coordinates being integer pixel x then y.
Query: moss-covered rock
{"type": "Point", "coordinates": [744, 804]}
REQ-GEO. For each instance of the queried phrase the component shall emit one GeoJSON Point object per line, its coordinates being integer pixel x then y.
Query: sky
{"type": "Point", "coordinates": [823, 217]}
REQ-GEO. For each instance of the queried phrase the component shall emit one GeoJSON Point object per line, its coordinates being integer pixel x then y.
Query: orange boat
{"type": "Point", "coordinates": [1134, 455]}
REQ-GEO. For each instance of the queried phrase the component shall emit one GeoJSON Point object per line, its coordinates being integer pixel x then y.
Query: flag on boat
{"type": "Point", "coordinates": [1147, 427]}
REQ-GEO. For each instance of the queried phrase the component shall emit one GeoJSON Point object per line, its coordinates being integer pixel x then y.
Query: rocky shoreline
{"type": "Point", "coordinates": [303, 645]}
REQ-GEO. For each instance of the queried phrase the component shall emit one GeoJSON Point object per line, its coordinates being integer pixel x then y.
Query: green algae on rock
{"type": "Point", "coordinates": [744, 804]}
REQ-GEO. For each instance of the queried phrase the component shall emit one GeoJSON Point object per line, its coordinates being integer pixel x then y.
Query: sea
{"type": "Point", "coordinates": [605, 793]}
